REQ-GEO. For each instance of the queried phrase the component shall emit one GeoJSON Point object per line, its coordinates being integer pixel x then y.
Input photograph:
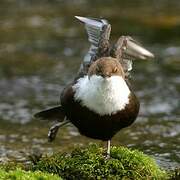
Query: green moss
{"type": "Point", "coordinates": [20, 174]}
{"type": "Point", "coordinates": [90, 163]}
{"type": "Point", "coordinates": [174, 174]}
{"type": "Point", "coordinates": [10, 166]}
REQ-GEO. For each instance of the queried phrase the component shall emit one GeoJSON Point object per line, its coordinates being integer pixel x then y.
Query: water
{"type": "Point", "coordinates": [41, 47]}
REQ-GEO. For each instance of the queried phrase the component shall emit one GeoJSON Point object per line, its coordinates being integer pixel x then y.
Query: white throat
{"type": "Point", "coordinates": [103, 96]}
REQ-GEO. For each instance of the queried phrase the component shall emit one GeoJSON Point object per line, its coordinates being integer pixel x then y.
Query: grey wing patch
{"type": "Point", "coordinates": [97, 31]}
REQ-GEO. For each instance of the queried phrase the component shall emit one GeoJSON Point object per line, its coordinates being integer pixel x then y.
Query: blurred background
{"type": "Point", "coordinates": [41, 47]}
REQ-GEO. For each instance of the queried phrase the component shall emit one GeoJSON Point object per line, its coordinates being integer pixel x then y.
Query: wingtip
{"type": "Point", "coordinates": [138, 51]}
{"type": "Point", "coordinates": [85, 20]}
{"type": "Point", "coordinates": [82, 19]}
{"type": "Point", "coordinates": [92, 21]}
{"type": "Point", "coordinates": [77, 17]}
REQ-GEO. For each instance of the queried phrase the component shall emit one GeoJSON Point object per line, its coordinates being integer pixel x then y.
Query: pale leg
{"type": "Point", "coordinates": [108, 148]}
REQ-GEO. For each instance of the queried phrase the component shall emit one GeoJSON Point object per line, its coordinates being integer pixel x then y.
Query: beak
{"type": "Point", "coordinates": [105, 75]}
{"type": "Point", "coordinates": [134, 50]}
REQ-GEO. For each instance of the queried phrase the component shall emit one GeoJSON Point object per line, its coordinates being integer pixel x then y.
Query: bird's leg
{"type": "Point", "coordinates": [54, 129]}
{"type": "Point", "coordinates": [108, 149]}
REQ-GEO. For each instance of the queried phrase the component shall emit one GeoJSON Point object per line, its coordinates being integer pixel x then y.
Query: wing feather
{"type": "Point", "coordinates": [96, 30]}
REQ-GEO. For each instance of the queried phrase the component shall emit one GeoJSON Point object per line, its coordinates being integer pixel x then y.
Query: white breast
{"type": "Point", "coordinates": [103, 96]}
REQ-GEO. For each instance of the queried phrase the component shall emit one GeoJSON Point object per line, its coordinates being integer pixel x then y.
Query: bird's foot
{"type": "Point", "coordinates": [107, 157]}
{"type": "Point", "coordinates": [53, 131]}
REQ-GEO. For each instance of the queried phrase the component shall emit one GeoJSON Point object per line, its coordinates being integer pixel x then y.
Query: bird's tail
{"type": "Point", "coordinates": [55, 113]}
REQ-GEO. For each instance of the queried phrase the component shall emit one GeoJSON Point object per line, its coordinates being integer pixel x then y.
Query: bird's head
{"type": "Point", "coordinates": [106, 67]}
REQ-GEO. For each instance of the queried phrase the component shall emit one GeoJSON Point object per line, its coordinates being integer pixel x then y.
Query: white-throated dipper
{"type": "Point", "coordinates": [100, 102]}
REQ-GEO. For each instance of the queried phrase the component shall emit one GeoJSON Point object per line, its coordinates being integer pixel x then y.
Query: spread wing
{"type": "Point", "coordinates": [127, 49]}
{"type": "Point", "coordinates": [98, 31]}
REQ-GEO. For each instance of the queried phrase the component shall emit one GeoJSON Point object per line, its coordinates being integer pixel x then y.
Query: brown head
{"type": "Point", "coordinates": [106, 67]}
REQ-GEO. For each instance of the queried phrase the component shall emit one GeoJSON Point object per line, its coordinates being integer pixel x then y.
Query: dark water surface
{"type": "Point", "coordinates": [41, 47]}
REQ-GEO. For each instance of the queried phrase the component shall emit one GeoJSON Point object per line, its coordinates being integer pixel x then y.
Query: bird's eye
{"type": "Point", "coordinates": [115, 70]}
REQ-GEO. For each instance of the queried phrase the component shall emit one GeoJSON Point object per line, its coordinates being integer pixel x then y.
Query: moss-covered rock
{"type": "Point", "coordinates": [90, 163]}
{"type": "Point", "coordinates": [20, 174]}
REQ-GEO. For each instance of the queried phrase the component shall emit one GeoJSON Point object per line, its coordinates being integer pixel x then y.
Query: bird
{"type": "Point", "coordinates": [100, 101]}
